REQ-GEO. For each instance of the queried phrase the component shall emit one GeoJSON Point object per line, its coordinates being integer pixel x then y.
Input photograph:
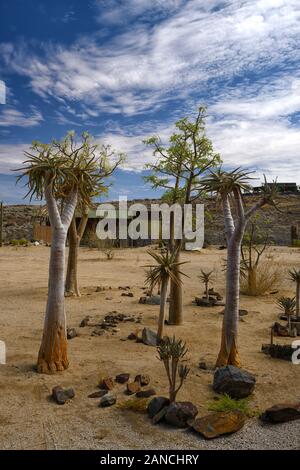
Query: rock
{"type": "Point", "coordinates": [84, 322]}
{"type": "Point", "coordinates": [152, 300]}
{"type": "Point", "coordinates": [122, 378]}
{"type": "Point", "coordinates": [156, 405]}
{"type": "Point", "coordinates": [281, 351]}
{"type": "Point", "coordinates": [71, 333]}
{"type": "Point", "coordinates": [107, 400]}
{"type": "Point", "coordinates": [108, 298]}
{"type": "Point", "coordinates": [280, 330]}
{"type": "Point", "coordinates": [237, 383]}
{"type": "Point", "coordinates": [133, 387]}
{"type": "Point", "coordinates": [203, 365]}
{"type": "Point", "coordinates": [146, 393]}
{"type": "Point", "coordinates": [127, 294]}
{"type": "Point", "coordinates": [62, 396]}
{"type": "Point", "coordinates": [281, 413]}
{"type": "Point", "coordinates": [179, 413]}
{"type": "Point", "coordinates": [149, 337]}
{"type": "Point", "coordinates": [217, 424]}
{"type": "Point", "coordinates": [160, 415]}
{"type": "Point", "coordinates": [132, 336]}
{"type": "Point", "coordinates": [70, 392]}
{"type": "Point", "coordinates": [98, 394]}
{"type": "Point", "coordinates": [100, 288]}
{"type": "Point", "coordinates": [204, 302]}
{"type": "Point", "coordinates": [142, 379]}
{"type": "Point", "coordinates": [99, 331]}
{"type": "Point", "coordinates": [106, 383]}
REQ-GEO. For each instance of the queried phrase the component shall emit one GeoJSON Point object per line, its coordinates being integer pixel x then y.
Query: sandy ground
{"type": "Point", "coordinates": [30, 420]}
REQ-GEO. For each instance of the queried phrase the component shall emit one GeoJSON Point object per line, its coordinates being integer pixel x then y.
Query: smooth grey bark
{"type": "Point", "coordinates": [53, 350]}
{"type": "Point", "coordinates": [161, 318]}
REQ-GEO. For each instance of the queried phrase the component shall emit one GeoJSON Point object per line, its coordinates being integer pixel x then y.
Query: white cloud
{"type": "Point", "coordinates": [12, 117]}
{"type": "Point", "coordinates": [144, 67]}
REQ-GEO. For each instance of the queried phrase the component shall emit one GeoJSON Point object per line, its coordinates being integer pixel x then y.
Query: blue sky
{"type": "Point", "coordinates": [125, 70]}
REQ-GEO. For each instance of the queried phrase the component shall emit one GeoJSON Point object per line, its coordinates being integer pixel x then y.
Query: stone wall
{"type": "Point", "coordinates": [18, 220]}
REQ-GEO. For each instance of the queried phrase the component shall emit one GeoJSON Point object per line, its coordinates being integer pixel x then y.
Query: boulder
{"type": "Point", "coordinates": [71, 333]}
{"type": "Point", "coordinates": [237, 383]}
{"type": "Point", "coordinates": [127, 294]}
{"type": "Point", "coordinates": [107, 400]}
{"type": "Point", "coordinates": [106, 383]}
{"type": "Point", "coordinates": [84, 322]}
{"type": "Point", "coordinates": [146, 393]}
{"type": "Point", "coordinates": [179, 413]}
{"type": "Point", "coordinates": [157, 404]}
{"type": "Point", "coordinates": [159, 416]}
{"type": "Point", "coordinates": [280, 330]}
{"type": "Point", "coordinates": [122, 378]}
{"type": "Point", "coordinates": [152, 300]}
{"type": "Point", "coordinates": [133, 387]}
{"type": "Point", "coordinates": [62, 396]}
{"type": "Point", "coordinates": [217, 424]}
{"type": "Point", "coordinates": [281, 413]}
{"type": "Point", "coordinates": [149, 337]}
{"type": "Point", "coordinates": [142, 379]}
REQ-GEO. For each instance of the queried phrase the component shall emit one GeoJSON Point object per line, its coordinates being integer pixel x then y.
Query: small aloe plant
{"type": "Point", "coordinates": [171, 351]}
{"type": "Point", "coordinates": [206, 277]}
{"type": "Point", "coordinates": [287, 304]}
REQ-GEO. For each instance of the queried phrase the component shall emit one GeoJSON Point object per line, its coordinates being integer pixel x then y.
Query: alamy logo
{"type": "Point", "coordinates": [2, 92]}
{"type": "Point", "coordinates": [2, 353]}
{"type": "Point", "coordinates": [141, 222]}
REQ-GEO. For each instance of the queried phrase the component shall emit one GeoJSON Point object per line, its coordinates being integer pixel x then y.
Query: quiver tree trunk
{"type": "Point", "coordinates": [75, 236]}
{"type": "Point", "coordinates": [175, 304]}
{"type": "Point", "coordinates": [52, 355]}
{"type": "Point", "coordinates": [53, 351]}
{"type": "Point", "coordinates": [163, 298]}
{"type": "Point", "coordinates": [71, 286]}
{"type": "Point", "coordinates": [228, 354]}
{"type": "Point", "coordinates": [298, 299]}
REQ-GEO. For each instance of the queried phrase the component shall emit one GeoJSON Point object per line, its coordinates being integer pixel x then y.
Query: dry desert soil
{"type": "Point", "coordinates": [29, 419]}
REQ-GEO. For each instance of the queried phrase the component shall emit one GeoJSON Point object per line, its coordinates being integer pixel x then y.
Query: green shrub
{"type": "Point", "coordinates": [21, 242]}
{"type": "Point", "coordinates": [296, 243]}
{"type": "Point", "coordinates": [226, 403]}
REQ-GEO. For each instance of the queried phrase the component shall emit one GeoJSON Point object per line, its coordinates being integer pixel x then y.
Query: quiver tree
{"type": "Point", "coordinates": [295, 276]}
{"type": "Point", "coordinates": [107, 162]}
{"type": "Point", "coordinates": [229, 186]}
{"type": "Point", "coordinates": [171, 352]}
{"type": "Point", "coordinates": [255, 241]}
{"type": "Point", "coordinates": [165, 269]}
{"type": "Point", "coordinates": [178, 167]}
{"type": "Point", "coordinates": [63, 177]}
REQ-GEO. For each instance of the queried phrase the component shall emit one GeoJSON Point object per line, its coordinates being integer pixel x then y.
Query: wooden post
{"type": "Point", "coordinates": [1, 223]}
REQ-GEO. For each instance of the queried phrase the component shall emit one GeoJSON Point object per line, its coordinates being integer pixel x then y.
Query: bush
{"type": "Point", "coordinates": [296, 243]}
{"type": "Point", "coordinates": [21, 242]}
{"type": "Point", "coordinates": [134, 404]}
{"type": "Point", "coordinates": [268, 276]}
{"type": "Point", "coordinates": [226, 403]}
